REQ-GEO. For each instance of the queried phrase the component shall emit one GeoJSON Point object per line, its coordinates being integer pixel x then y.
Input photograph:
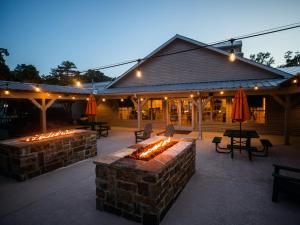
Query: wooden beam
{"type": "Point", "coordinates": [50, 103]}
{"type": "Point", "coordinates": [278, 99]}
{"type": "Point", "coordinates": [134, 102]}
{"type": "Point", "coordinates": [199, 103]}
{"type": "Point", "coordinates": [287, 109]}
{"type": "Point", "coordinates": [36, 103]}
{"type": "Point", "coordinates": [139, 114]}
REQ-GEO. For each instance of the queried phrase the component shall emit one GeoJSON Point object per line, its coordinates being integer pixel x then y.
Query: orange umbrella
{"type": "Point", "coordinates": [91, 107]}
{"type": "Point", "coordinates": [240, 109]}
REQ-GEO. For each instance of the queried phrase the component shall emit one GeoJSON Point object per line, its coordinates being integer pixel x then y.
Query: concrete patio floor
{"type": "Point", "coordinates": [222, 191]}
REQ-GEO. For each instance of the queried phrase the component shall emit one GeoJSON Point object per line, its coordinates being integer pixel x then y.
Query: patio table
{"type": "Point", "coordinates": [246, 134]}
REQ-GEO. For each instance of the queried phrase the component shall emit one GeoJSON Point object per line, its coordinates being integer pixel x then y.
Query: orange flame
{"type": "Point", "coordinates": [155, 147]}
{"type": "Point", "coordinates": [39, 137]}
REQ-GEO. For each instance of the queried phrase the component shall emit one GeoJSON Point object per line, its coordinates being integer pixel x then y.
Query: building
{"type": "Point", "coordinates": [192, 90]}
{"type": "Point", "coordinates": [181, 88]}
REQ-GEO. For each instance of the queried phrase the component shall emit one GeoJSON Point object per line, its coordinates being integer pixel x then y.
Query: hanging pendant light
{"type": "Point", "coordinates": [138, 71]}
{"type": "Point", "coordinates": [232, 55]}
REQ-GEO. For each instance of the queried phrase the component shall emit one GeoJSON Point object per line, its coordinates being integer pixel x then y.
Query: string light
{"type": "Point", "coordinates": [221, 92]}
{"type": "Point", "coordinates": [192, 96]}
{"type": "Point", "coordinates": [6, 91]}
{"type": "Point", "coordinates": [255, 87]}
{"type": "Point", "coordinates": [141, 99]}
{"type": "Point", "coordinates": [103, 99]}
{"type": "Point", "coordinates": [87, 99]}
{"type": "Point", "coordinates": [122, 100]}
{"type": "Point", "coordinates": [251, 35]}
{"type": "Point", "coordinates": [78, 83]}
{"type": "Point", "coordinates": [166, 98]}
{"type": "Point", "coordinates": [138, 71]}
{"type": "Point", "coordinates": [73, 97]}
{"type": "Point", "coordinates": [232, 55]}
{"type": "Point", "coordinates": [37, 88]}
{"type": "Point", "coordinates": [59, 96]}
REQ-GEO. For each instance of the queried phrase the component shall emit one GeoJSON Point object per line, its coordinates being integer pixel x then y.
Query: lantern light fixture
{"type": "Point", "coordinates": [138, 71]}
{"type": "Point", "coordinates": [221, 92]}
{"type": "Point", "coordinates": [73, 98]}
{"type": "Point", "coordinates": [166, 98]}
{"type": "Point", "coordinates": [192, 96]}
{"type": "Point", "coordinates": [122, 99]}
{"type": "Point", "coordinates": [255, 87]}
{"type": "Point", "coordinates": [103, 100]}
{"type": "Point", "coordinates": [232, 55]}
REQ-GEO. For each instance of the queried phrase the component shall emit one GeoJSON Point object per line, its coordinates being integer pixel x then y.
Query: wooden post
{"type": "Point", "coordinates": [199, 106]}
{"type": "Point", "coordinates": [43, 107]}
{"type": "Point", "coordinates": [167, 112]}
{"type": "Point", "coordinates": [179, 112]}
{"type": "Point", "coordinates": [228, 109]}
{"type": "Point", "coordinates": [43, 115]}
{"type": "Point", "coordinates": [193, 116]}
{"type": "Point", "coordinates": [287, 108]}
{"type": "Point", "coordinates": [139, 113]}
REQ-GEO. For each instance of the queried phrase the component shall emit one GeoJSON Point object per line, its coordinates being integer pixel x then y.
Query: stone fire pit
{"type": "Point", "coordinates": [141, 190]}
{"type": "Point", "coordinates": [21, 160]}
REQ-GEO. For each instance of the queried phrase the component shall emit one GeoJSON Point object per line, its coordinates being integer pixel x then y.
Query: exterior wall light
{"type": "Point", "coordinates": [221, 92]}
{"type": "Point", "coordinates": [166, 98]}
{"type": "Point", "coordinates": [192, 96]}
{"type": "Point", "coordinates": [255, 87]}
{"type": "Point", "coordinates": [295, 81]}
{"type": "Point", "coordinates": [103, 100]}
{"type": "Point", "coordinates": [122, 100]}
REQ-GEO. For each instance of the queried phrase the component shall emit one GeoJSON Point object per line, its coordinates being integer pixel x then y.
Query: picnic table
{"type": "Point", "coordinates": [236, 141]}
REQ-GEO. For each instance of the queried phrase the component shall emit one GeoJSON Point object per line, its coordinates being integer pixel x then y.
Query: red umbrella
{"type": "Point", "coordinates": [91, 107]}
{"type": "Point", "coordinates": [240, 109]}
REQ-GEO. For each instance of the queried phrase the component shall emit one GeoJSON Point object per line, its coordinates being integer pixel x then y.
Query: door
{"type": "Point", "coordinates": [180, 113]}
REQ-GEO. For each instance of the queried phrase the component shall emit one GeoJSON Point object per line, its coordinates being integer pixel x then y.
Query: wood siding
{"type": "Point", "coordinates": [201, 65]}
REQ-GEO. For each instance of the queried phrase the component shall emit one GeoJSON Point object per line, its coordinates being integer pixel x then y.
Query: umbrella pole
{"type": "Point", "coordinates": [240, 136]}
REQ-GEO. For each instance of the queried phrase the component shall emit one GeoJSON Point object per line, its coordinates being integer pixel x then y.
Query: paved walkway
{"type": "Point", "coordinates": [222, 191]}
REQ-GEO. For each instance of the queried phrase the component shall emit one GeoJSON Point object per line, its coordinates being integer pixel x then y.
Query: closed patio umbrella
{"type": "Point", "coordinates": [91, 106]}
{"type": "Point", "coordinates": [240, 109]}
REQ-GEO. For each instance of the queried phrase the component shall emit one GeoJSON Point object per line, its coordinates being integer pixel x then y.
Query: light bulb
{"type": "Point", "coordinates": [232, 57]}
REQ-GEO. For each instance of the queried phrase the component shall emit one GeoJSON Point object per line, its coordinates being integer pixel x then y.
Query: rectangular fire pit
{"type": "Point", "coordinates": [142, 188]}
{"type": "Point", "coordinates": [27, 157]}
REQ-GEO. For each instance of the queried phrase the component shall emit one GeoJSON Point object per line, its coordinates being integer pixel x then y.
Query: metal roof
{"type": "Point", "coordinates": [291, 70]}
{"type": "Point", "coordinates": [203, 86]}
{"type": "Point", "coordinates": [44, 87]}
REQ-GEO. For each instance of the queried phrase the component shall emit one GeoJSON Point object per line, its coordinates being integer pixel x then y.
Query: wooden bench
{"type": "Point", "coordinates": [286, 184]}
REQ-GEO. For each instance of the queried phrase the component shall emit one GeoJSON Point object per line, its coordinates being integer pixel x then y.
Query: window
{"type": "Point", "coordinates": [215, 110]}
{"type": "Point", "coordinates": [257, 105]}
{"type": "Point", "coordinates": [152, 110]}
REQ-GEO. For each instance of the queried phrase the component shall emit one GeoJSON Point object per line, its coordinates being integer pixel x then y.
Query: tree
{"type": "Point", "coordinates": [263, 58]}
{"type": "Point", "coordinates": [63, 74]}
{"type": "Point", "coordinates": [94, 76]}
{"type": "Point", "coordinates": [5, 73]}
{"type": "Point", "coordinates": [26, 73]}
{"type": "Point", "coordinates": [291, 59]}
{"type": "Point", "coordinates": [3, 52]}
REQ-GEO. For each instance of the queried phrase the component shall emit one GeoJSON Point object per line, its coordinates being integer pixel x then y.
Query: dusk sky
{"type": "Point", "coordinates": [97, 33]}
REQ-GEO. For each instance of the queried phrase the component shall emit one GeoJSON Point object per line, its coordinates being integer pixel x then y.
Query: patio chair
{"type": "Point", "coordinates": [141, 135]}
{"type": "Point", "coordinates": [286, 184]}
{"type": "Point", "coordinates": [168, 132]}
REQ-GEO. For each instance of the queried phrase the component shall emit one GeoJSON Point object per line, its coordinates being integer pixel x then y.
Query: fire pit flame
{"type": "Point", "coordinates": [152, 150]}
{"type": "Point", "coordinates": [39, 137]}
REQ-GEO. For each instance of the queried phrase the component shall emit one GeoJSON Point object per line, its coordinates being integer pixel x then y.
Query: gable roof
{"type": "Point", "coordinates": [280, 74]}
